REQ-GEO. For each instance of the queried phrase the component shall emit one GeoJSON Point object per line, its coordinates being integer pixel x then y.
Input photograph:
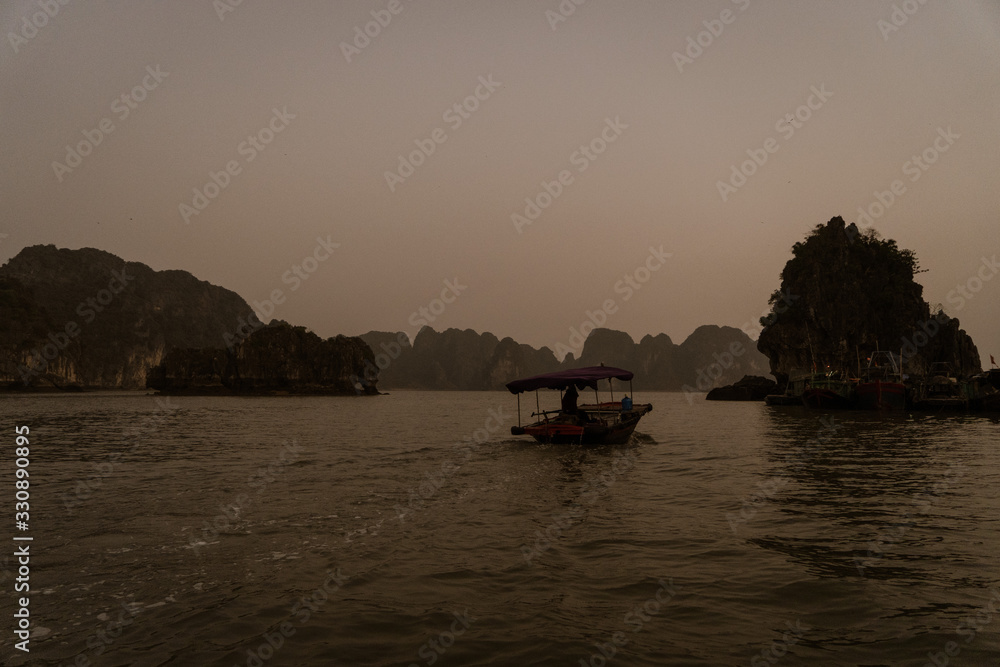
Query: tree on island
{"type": "Point", "coordinates": [846, 293]}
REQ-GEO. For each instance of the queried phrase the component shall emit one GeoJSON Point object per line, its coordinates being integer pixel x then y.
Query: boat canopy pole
{"type": "Point", "coordinates": [518, 409]}
{"type": "Point", "coordinates": [630, 390]}
{"type": "Point", "coordinates": [612, 388]}
{"type": "Point", "coordinates": [537, 406]}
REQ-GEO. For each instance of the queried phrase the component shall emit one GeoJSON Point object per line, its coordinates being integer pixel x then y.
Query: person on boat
{"type": "Point", "coordinates": [569, 400]}
{"type": "Point", "coordinates": [570, 409]}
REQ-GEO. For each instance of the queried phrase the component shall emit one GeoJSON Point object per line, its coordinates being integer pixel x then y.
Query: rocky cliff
{"type": "Point", "coordinates": [846, 293]}
{"type": "Point", "coordinates": [87, 318]}
{"type": "Point", "coordinates": [276, 359]}
{"type": "Point", "coordinates": [711, 356]}
{"type": "Point", "coordinates": [454, 359]}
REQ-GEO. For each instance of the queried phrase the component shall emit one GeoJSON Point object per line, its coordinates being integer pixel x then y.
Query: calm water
{"type": "Point", "coordinates": [362, 531]}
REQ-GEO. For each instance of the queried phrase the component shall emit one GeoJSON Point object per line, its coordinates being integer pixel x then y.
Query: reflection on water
{"type": "Point", "coordinates": [780, 533]}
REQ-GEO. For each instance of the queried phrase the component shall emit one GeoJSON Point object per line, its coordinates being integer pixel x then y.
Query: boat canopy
{"type": "Point", "coordinates": [580, 377]}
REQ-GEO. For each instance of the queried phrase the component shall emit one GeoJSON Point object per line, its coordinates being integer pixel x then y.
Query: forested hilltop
{"type": "Point", "coordinates": [846, 293]}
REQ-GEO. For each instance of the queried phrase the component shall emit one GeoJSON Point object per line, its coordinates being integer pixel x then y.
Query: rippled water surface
{"type": "Point", "coordinates": [367, 531]}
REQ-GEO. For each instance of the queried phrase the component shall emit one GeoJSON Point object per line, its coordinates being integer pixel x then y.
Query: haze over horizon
{"type": "Point", "coordinates": [234, 141]}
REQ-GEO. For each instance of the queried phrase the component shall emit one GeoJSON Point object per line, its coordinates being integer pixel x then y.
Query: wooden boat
{"type": "Point", "coordinates": [783, 399]}
{"type": "Point", "coordinates": [994, 377]}
{"type": "Point", "coordinates": [828, 391]}
{"type": "Point", "coordinates": [940, 390]}
{"type": "Point", "coordinates": [981, 392]}
{"type": "Point", "coordinates": [882, 387]}
{"type": "Point", "coordinates": [610, 422]}
{"type": "Point", "coordinates": [794, 388]}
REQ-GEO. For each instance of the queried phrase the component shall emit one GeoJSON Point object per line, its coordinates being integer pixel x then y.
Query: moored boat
{"type": "Point", "coordinates": [882, 387]}
{"type": "Point", "coordinates": [994, 377]}
{"type": "Point", "coordinates": [981, 393]}
{"type": "Point", "coordinates": [828, 391]}
{"type": "Point", "coordinates": [881, 395]}
{"type": "Point", "coordinates": [609, 422]}
{"type": "Point", "coordinates": [940, 390]}
{"type": "Point", "coordinates": [793, 390]}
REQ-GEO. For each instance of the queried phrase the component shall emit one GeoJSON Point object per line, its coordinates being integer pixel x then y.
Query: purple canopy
{"type": "Point", "coordinates": [581, 377]}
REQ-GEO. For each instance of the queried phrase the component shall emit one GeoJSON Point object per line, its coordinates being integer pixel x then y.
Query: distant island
{"type": "Point", "coordinates": [87, 320]}
{"type": "Point", "coordinates": [457, 359]}
{"type": "Point", "coordinates": [846, 293]}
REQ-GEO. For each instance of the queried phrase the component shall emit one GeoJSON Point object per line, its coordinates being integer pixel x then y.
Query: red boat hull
{"type": "Point", "coordinates": [880, 395]}
{"type": "Point", "coordinates": [592, 432]}
{"type": "Point", "coordinates": [824, 399]}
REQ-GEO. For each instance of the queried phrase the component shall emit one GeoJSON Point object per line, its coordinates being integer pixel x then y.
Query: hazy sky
{"type": "Point", "coordinates": [642, 108]}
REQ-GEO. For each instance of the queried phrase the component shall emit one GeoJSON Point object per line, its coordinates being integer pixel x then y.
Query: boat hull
{"type": "Point", "coordinates": [994, 375]}
{"type": "Point", "coordinates": [825, 399]}
{"type": "Point", "coordinates": [782, 399]}
{"type": "Point", "coordinates": [941, 403]}
{"type": "Point", "coordinates": [595, 431]}
{"type": "Point", "coordinates": [880, 395]}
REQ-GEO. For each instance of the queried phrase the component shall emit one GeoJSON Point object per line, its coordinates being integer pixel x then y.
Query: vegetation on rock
{"type": "Point", "coordinates": [846, 293]}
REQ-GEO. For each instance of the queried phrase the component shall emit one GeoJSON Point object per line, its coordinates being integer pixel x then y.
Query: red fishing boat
{"type": "Point", "coordinates": [828, 391]}
{"type": "Point", "coordinates": [598, 423]}
{"type": "Point", "coordinates": [882, 388]}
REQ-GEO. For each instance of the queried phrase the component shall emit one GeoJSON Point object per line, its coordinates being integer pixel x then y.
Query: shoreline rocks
{"type": "Point", "coordinates": [749, 388]}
